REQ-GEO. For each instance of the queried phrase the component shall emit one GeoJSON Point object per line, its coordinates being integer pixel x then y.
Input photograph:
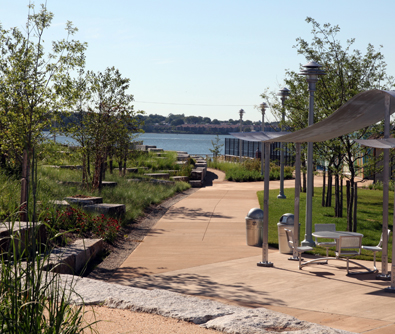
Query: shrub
{"type": "Point", "coordinates": [78, 221]}
{"type": "Point", "coordinates": [249, 171]}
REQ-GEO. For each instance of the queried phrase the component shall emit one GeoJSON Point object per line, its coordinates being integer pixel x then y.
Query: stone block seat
{"type": "Point", "coordinates": [71, 166]}
{"type": "Point", "coordinates": [109, 184]}
{"type": "Point", "coordinates": [182, 157]}
{"type": "Point", "coordinates": [181, 162]}
{"type": "Point", "coordinates": [76, 183]}
{"type": "Point", "coordinates": [158, 175]}
{"type": "Point", "coordinates": [180, 178]}
{"type": "Point", "coordinates": [155, 150]}
{"type": "Point", "coordinates": [201, 164]}
{"type": "Point", "coordinates": [83, 201]}
{"type": "Point", "coordinates": [112, 210]}
{"type": "Point", "coordinates": [73, 258]}
{"type": "Point", "coordinates": [196, 183]}
{"type": "Point", "coordinates": [23, 230]}
{"type": "Point", "coordinates": [170, 171]}
{"type": "Point", "coordinates": [59, 204]}
{"type": "Point", "coordinates": [132, 170]}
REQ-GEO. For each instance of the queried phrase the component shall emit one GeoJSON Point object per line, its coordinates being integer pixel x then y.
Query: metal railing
{"type": "Point", "coordinates": [249, 150]}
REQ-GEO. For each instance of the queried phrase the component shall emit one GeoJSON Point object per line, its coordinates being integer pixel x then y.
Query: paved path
{"type": "Point", "coordinates": [199, 248]}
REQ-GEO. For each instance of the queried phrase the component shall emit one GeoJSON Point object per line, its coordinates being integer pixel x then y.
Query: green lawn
{"type": "Point", "coordinates": [370, 215]}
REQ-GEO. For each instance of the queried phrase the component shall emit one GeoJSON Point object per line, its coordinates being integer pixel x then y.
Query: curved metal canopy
{"type": "Point", "coordinates": [378, 143]}
{"type": "Point", "coordinates": [362, 110]}
{"type": "Point", "coordinates": [258, 136]}
{"type": "Point", "coordinates": [366, 108]}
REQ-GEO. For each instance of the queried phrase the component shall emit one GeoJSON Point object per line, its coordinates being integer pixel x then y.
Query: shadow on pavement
{"type": "Point", "coordinates": [210, 177]}
{"type": "Point", "coordinates": [202, 286]}
{"type": "Point", "coordinates": [193, 214]}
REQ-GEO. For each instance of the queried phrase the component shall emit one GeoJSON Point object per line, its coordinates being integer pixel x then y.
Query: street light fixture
{"type": "Point", "coordinates": [241, 112]}
{"type": "Point", "coordinates": [284, 93]}
{"type": "Point", "coordinates": [263, 107]}
{"type": "Point", "coordinates": [312, 72]}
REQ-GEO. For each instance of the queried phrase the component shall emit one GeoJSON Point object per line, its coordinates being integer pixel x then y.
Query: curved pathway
{"type": "Point", "coordinates": [199, 248]}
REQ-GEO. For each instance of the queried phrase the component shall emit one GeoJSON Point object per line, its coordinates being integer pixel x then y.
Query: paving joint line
{"type": "Point", "coordinates": [212, 213]}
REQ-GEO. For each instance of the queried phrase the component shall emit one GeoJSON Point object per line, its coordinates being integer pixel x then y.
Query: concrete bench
{"type": "Point", "coordinates": [73, 258]}
{"type": "Point", "coordinates": [23, 231]}
{"type": "Point", "coordinates": [196, 183]}
{"type": "Point", "coordinates": [112, 210]}
{"type": "Point", "coordinates": [83, 201]}
{"type": "Point", "coordinates": [158, 175]}
{"type": "Point", "coordinates": [180, 178]}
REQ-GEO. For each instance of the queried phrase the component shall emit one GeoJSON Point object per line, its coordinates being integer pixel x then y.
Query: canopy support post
{"type": "Point", "coordinates": [265, 230]}
{"type": "Point", "coordinates": [384, 254]}
{"type": "Point", "coordinates": [297, 202]}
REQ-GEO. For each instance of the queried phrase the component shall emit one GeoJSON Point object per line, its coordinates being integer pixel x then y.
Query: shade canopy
{"type": "Point", "coordinates": [365, 109]}
{"type": "Point", "coordinates": [258, 136]}
{"type": "Point", "coordinates": [377, 143]}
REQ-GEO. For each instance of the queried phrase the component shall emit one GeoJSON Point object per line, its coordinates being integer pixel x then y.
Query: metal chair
{"type": "Point", "coordinates": [325, 244]}
{"type": "Point", "coordinates": [349, 246]}
{"type": "Point", "coordinates": [376, 249]}
{"type": "Point", "coordinates": [300, 249]}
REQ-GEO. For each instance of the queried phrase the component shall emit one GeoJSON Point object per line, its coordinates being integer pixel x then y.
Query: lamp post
{"type": "Point", "coordinates": [241, 112]}
{"type": "Point", "coordinates": [284, 93]}
{"type": "Point", "coordinates": [312, 72]}
{"type": "Point", "coordinates": [263, 107]}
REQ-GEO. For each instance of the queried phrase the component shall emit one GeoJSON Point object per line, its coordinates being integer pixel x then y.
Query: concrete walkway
{"type": "Point", "coordinates": [199, 248]}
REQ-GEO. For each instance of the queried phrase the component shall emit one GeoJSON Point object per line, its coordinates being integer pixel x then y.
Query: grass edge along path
{"type": "Point", "coordinates": [370, 209]}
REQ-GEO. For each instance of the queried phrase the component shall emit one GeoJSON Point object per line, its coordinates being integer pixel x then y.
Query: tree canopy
{"type": "Point", "coordinates": [348, 72]}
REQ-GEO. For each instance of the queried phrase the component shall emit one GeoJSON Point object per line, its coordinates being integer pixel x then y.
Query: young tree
{"type": "Point", "coordinates": [348, 72]}
{"type": "Point", "coordinates": [77, 128]}
{"type": "Point", "coordinates": [110, 118]}
{"type": "Point", "coordinates": [216, 147]}
{"type": "Point", "coordinates": [34, 86]}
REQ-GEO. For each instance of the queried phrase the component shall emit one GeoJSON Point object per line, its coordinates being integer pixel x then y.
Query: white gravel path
{"type": "Point", "coordinates": [204, 312]}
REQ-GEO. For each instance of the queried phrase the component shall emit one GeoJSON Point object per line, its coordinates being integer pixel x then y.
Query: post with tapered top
{"type": "Point", "coordinates": [284, 93]}
{"type": "Point", "coordinates": [312, 72]}
{"type": "Point", "coordinates": [386, 176]}
{"type": "Point", "coordinates": [241, 112]}
{"type": "Point", "coordinates": [265, 228]}
{"type": "Point", "coordinates": [263, 106]}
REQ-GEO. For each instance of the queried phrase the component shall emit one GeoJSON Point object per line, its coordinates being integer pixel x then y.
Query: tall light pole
{"type": "Point", "coordinates": [284, 93]}
{"type": "Point", "coordinates": [263, 107]}
{"type": "Point", "coordinates": [241, 112]}
{"type": "Point", "coordinates": [312, 72]}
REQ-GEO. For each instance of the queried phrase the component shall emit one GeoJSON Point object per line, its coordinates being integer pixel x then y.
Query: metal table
{"type": "Point", "coordinates": [336, 235]}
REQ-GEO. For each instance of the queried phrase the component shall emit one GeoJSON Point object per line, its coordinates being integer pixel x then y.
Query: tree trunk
{"type": "Point", "coordinates": [120, 167]}
{"type": "Point", "coordinates": [355, 207]}
{"type": "Point", "coordinates": [349, 205]}
{"type": "Point", "coordinates": [84, 172]}
{"type": "Point", "coordinates": [88, 163]}
{"type": "Point", "coordinates": [102, 174]}
{"type": "Point", "coordinates": [341, 198]}
{"type": "Point", "coordinates": [24, 187]}
{"type": "Point", "coordinates": [111, 164]}
{"type": "Point", "coordinates": [124, 166]}
{"type": "Point", "coordinates": [336, 195]}
{"type": "Point", "coordinates": [323, 188]}
{"type": "Point", "coordinates": [329, 191]}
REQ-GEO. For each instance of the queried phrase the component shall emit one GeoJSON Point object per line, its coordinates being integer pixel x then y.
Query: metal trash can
{"type": "Point", "coordinates": [254, 223]}
{"type": "Point", "coordinates": [286, 222]}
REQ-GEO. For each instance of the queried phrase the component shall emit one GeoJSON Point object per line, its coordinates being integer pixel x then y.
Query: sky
{"type": "Point", "coordinates": [206, 58]}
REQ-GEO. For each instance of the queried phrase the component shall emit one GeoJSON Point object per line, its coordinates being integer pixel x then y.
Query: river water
{"type": "Point", "coordinates": [191, 143]}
